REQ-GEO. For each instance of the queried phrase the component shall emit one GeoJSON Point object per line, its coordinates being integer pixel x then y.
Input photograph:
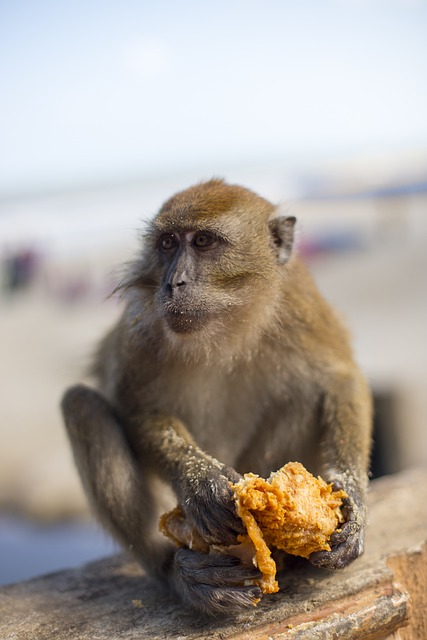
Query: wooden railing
{"type": "Point", "coordinates": [381, 595]}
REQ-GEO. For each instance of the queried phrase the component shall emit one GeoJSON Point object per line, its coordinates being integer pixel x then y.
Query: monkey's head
{"type": "Point", "coordinates": [213, 259]}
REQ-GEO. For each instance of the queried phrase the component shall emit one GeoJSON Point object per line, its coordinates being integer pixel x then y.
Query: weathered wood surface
{"type": "Point", "coordinates": [381, 592]}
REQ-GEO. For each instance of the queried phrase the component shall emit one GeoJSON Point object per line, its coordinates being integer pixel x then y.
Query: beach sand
{"type": "Point", "coordinates": [45, 346]}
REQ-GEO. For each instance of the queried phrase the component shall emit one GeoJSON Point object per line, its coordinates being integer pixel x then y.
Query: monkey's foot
{"type": "Point", "coordinates": [214, 583]}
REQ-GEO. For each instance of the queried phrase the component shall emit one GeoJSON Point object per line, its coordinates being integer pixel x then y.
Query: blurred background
{"type": "Point", "coordinates": [107, 108]}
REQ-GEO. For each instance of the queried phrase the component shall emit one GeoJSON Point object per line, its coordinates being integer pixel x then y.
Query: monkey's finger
{"type": "Point", "coordinates": [348, 529]}
{"type": "Point", "coordinates": [219, 525]}
{"type": "Point", "coordinates": [337, 559]}
{"type": "Point", "coordinates": [237, 576]}
{"type": "Point", "coordinates": [227, 599]}
{"type": "Point", "coordinates": [322, 559]}
{"type": "Point", "coordinates": [214, 601]}
{"type": "Point", "coordinates": [215, 569]}
{"type": "Point", "coordinates": [340, 556]}
{"type": "Point", "coordinates": [220, 535]}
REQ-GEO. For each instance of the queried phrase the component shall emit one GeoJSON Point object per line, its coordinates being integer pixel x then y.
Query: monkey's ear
{"type": "Point", "coordinates": [282, 236]}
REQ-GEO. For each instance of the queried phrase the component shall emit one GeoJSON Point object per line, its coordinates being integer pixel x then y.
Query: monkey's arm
{"type": "Point", "coordinates": [200, 482]}
{"type": "Point", "coordinates": [118, 485]}
{"type": "Point", "coordinates": [346, 418]}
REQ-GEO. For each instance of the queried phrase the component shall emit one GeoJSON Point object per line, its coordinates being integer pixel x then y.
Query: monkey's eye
{"type": "Point", "coordinates": [204, 240]}
{"type": "Point", "coordinates": [168, 242]}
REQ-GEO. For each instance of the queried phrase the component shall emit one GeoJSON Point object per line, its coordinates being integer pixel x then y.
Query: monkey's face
{"type": "Point", "coordinates": [212, 261]}
{"type": "Point", "coordinates": [193, 289]}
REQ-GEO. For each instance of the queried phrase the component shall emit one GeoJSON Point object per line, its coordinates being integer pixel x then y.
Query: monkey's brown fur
{"type": "Point", "coordinates": [226, 360]}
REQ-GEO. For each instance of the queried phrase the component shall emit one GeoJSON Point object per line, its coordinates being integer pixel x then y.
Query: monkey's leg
{"type": "Point", "coordinates": [122, 498]}
{"type": "Point", "coordinates": [119, 492]}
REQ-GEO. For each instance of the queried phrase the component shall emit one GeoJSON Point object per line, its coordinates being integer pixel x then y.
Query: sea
{"type": "Point", "coordinates": [29, 549]}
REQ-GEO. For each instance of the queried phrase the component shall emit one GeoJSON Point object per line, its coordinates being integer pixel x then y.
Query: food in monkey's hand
{"type": "Point", "coordinates": [175, 526]}
{"type": "Point", "coordinates": [292, 511]}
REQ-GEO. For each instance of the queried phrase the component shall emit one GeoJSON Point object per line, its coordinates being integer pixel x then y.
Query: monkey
{"type": "Point", "coordinates": [226, 359]}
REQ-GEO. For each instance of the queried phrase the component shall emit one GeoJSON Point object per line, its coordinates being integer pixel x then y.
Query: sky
{"type": "Point", "coordinates": [96, 91]}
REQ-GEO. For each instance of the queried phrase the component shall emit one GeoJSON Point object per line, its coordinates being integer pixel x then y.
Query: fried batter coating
{"type": "Point", "coordinates": [292, 511]}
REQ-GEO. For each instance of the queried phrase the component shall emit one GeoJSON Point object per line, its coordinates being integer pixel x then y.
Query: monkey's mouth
{"type": "Point", "coordinates": [184, 320]}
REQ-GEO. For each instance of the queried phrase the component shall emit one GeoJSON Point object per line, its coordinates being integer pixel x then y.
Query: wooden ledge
{"type": "Point", "coordinates": [381, 595]}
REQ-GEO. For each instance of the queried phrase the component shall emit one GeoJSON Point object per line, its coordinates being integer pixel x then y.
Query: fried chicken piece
{"type": "Point", "coordinates": [176, 527]}
{"type": "Point", "coordinates": [292, 511]}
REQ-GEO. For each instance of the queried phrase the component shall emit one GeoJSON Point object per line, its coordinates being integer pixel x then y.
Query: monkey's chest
{"type": "Point", "coordinates": [221, 413]}
{"type": "Point", "coordinates": [228, 415]}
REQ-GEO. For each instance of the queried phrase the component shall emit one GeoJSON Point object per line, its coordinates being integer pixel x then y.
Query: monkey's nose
{"type": "Point", "coordinates": [171, 287]}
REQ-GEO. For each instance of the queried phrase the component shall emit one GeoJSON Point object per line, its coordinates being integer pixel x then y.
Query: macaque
{"type": "Point", "coordinates": [226, 360]}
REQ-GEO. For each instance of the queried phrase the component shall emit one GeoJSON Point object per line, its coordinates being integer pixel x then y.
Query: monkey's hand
{"type": "Point", "coordinates": [207, 501]}
{"type": "Point", "coordinates": [346, 542]}
{"type": "Point", "coordinates": [214, 583]}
